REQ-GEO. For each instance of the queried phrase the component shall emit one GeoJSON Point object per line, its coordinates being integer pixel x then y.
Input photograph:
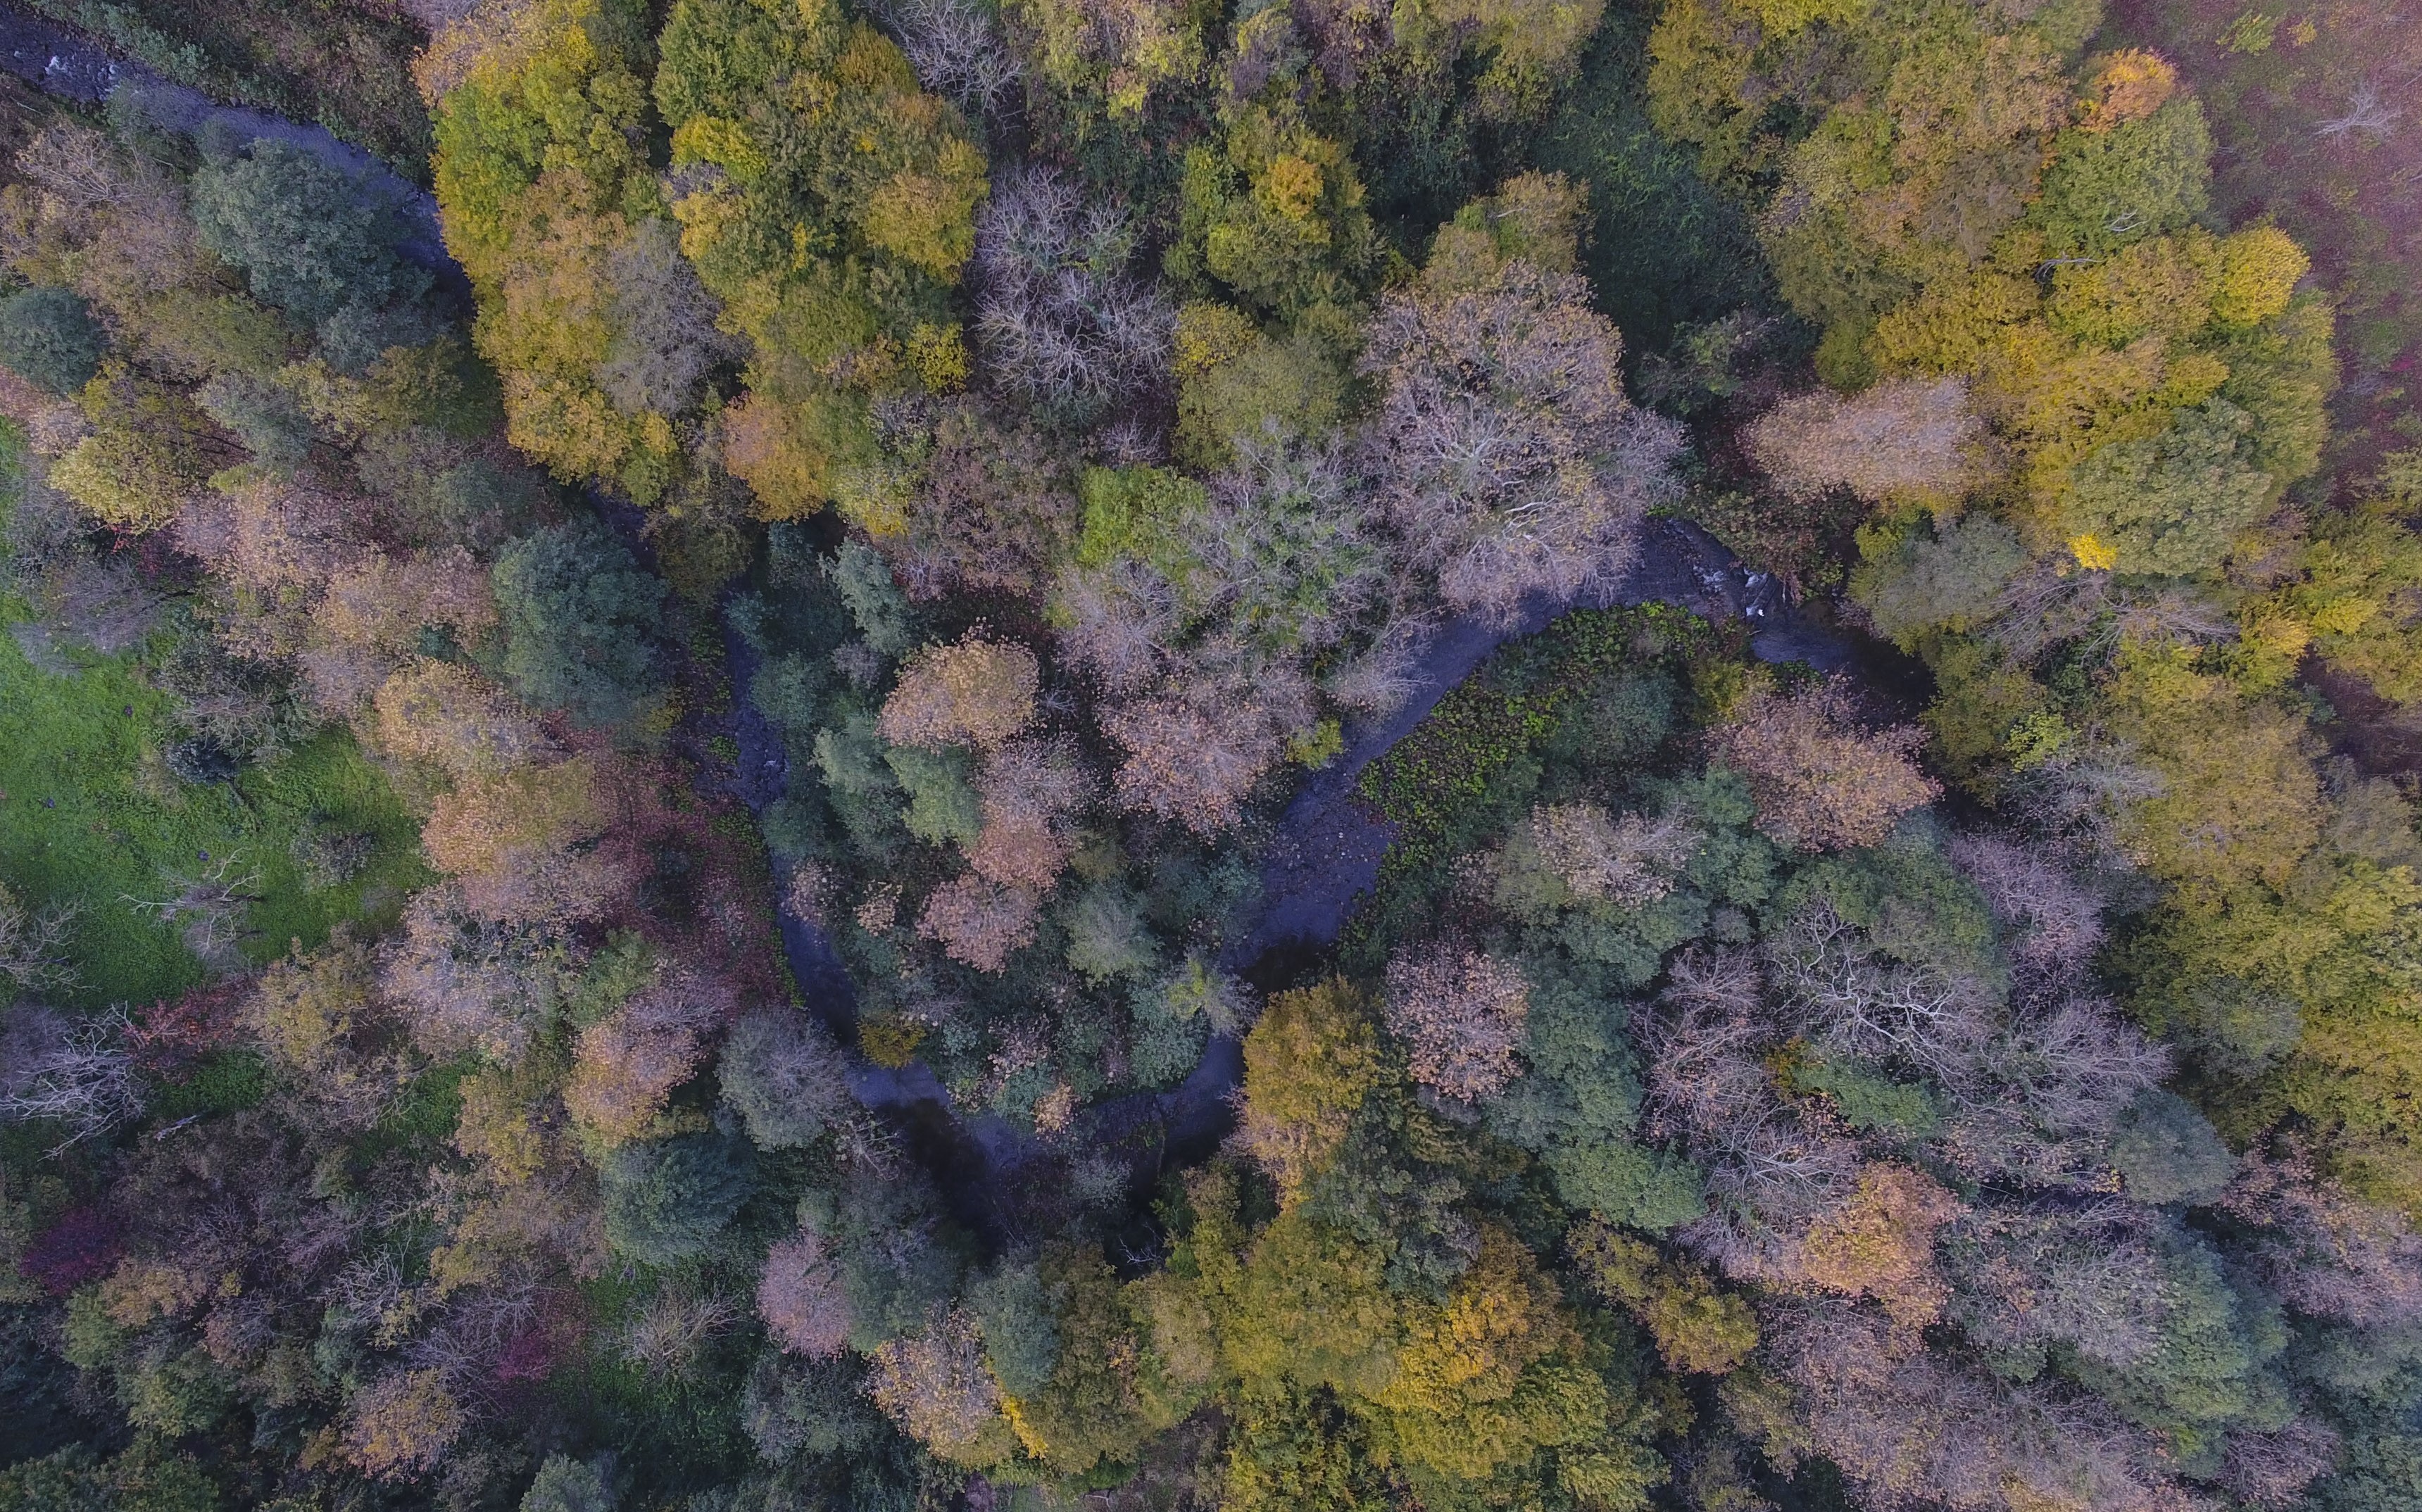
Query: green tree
{"type": "Point", "coordinates": [581, 621]}
{"type": "Point", "coordinates": [49, 338]}
{"type": "Point", "coordinates": [567, 1484]}
{"type": "Point", "coordinates": [667, 1200]}
{"type": "Point", "coordinates": [2172, 503]}
{"type": "Point", "coordinates": [2104, 189]}
{"type": "Point", "coordinates": [310, 239]}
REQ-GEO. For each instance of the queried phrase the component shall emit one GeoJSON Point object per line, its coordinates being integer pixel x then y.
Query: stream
{"type": "Point", "coordinates": [1330, 843]}
{"type": "Point", "coordinates": [1325, 855]}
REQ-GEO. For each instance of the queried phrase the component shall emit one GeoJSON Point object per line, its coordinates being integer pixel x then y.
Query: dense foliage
{"type": "Point", "coordinates": [705, 859]}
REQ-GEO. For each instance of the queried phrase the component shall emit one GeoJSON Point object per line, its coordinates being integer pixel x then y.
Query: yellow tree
{"type": "Point", "coordinates": [829, 203]}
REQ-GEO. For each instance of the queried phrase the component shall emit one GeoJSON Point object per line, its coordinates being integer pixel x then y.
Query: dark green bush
{"type": "Point", "coordinates": [49, 338]}
{"type": "Point", "coordinates": [582, 619]}
{"type": "Point", "coordinates": [667, 1200]}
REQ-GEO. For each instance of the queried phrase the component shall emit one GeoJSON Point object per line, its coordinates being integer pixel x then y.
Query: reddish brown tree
{"type": "Point", "coordinates": [1822, 780]}
{"type": "Point", "coordinates": [976, 692]}
{"type": "Point", "coordinates": [799, 1296]}
{"type": "Point", "coordinates": [978, 922]}
{"type": "Point", "coordinates": [1909, 440]}
{"type": "Point", "coordinates": [1461, 1014]}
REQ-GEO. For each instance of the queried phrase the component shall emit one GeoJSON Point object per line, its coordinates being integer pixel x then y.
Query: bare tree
{"type": "Point", "coordinates": [1775, 1168]}
{"type": "Point", "coordinates": [1910, 1426]}
{"type": "Point", "coordinates": [1381, 677]}
{"type": "Point", "coordinates": [1031, 790]}
{"type": "Point", "coordinates": [465, 981]}
{"type": "Point", "coordinates": [933, 1383]}
{"type": "Point", "coordinates": [1058, 320]}
{"type": "Point", "coordinates": [2273, 1469]}
{"type": "Point", "coordinates": [785, 1076]}
{"type": "Point", "coordinates": [958, 51]}
{"type": "Point", "coordinates": [1119, 622]}
{"type": "Point", "coordinates": [207, 908]}
{"type": "Point", "coordinates": [80, 1076]}
{"type": "Point", "coordinates": [1195, 750]}
{"type": "Point", "coordinates": [627, 1064]}
{"type": "Point", "coordinates": [33, 945]}
{"type": "Point", "coordinates": [670, 1332]}
{"type": "Point", "coordinates": [1829, 983]}
{"type": "Point", "coordinates": [2086, 1274]}
{"type": "Point", "coordinates": [2324, 1253]}
{"type": "Point", "coordinates": [80, 593]}
{"type": "Point", "coordinates": [1293, 560]}
{"type": "Point", "coordinates": [2367, 115]}
{"type": "Point", "coordinates": [1628, 861]}
{"type": "Point", "coordinates": [665, 345]}
{"type": "Point", "coordinates": [2052, 925]}
{"type": "Point", "coordinates": [2047, 1093]}
{"type": "Point", "coordinates": [1509, 461]}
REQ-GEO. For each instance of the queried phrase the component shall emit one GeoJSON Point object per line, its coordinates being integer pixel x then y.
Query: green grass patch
{"type": "Point", "coordinates": [1474, 762]}
{"type": "Point", "coordinates": [229, 1080]}
{"type": "Point", "coordinates": [91, 818]}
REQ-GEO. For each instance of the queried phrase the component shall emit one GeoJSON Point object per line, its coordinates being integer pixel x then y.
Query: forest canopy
{"type": "Point", "coordinates": [1484, 754]}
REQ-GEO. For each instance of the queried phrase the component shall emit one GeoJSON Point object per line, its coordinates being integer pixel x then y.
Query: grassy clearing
{"type": "Point", "coordinates": [90, 817]}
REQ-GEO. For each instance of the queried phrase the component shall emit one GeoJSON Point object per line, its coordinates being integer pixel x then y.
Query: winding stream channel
{"type": "Point", "coordinates": [1328, 844]}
